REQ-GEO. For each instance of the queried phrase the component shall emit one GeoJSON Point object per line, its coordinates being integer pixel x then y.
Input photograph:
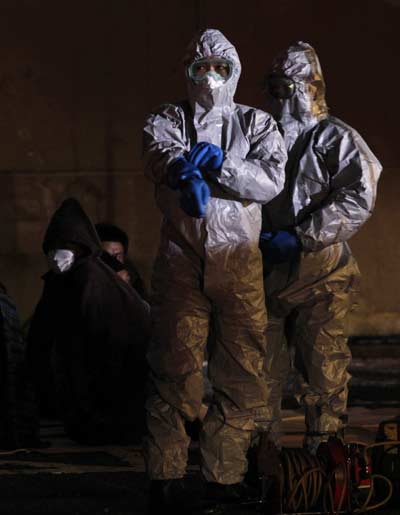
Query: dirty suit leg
{"type": "Point", "coordinates": [277, 371]}
{"type": "Point", "coordinates": [278, 363]}
{"type": "Point", "coordinates": [240, 403]}
{"type": "Point", "coordinates": [311, 312]}
{"type": "Point", "coordinates": [180, 313]}
{"type": "Point", "coordinates": [323, 357]}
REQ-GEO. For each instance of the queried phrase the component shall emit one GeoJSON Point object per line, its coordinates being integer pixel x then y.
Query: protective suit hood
{"type": "Point", "coordinates": [70, 224]}
{"type": "Point", "coordinates": [307, 105]}
{"type": "Point", "coordinates": [207, 43]}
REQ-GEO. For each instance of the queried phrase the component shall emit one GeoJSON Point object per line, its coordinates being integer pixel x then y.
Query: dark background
{"type": "Point", "coordinates": [77, 79]}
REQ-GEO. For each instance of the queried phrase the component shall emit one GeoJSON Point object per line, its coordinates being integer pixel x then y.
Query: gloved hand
{"type": "Point", "coordinates": [206, 156]}
{"type": "Point", "coordinates": [265, 237]}
{"type": "Point", "coordinates": [279, 247]}
{"type": "Point", "coordinates": [179, 171]}
{"type": "Point", "coordinates": [195, 196]}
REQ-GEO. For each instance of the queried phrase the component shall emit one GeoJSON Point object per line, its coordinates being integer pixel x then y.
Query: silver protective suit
{"type": "Point", "coordinates": [210, 267]}
{"type": "Point", "coordinates": [330, 190]}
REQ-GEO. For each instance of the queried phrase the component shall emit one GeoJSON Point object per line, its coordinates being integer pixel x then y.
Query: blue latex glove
{"type": "Point", "coordinates": [279, 247]}
{"type": "Point", "coordinates": [265, 237]}
{"type": "Point", "coordinates": [195, 196]}
{"type": "Point", "coordinates": [206, 156]}
{"type": "Point", "coordinates": [179, 171]}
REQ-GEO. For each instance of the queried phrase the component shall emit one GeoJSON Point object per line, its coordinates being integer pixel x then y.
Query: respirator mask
{"type": "Point", "coordinates": [60, 260]}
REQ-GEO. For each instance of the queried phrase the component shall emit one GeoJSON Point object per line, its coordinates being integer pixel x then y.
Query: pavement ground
{"type": "Point", "coordinates": [68, 478]}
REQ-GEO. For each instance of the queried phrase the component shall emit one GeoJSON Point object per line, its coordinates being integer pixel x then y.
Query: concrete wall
{"type": "Point", "coordinates": [77, 78]}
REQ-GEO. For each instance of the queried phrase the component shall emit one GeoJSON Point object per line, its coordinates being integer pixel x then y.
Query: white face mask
{"type": "Point", "coordinates": [212, 80]}
{"type": "Point", "coordinates": [60, 260]}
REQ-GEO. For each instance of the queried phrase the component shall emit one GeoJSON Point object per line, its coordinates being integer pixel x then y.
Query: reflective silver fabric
{"type": "Point", "coordinates": [330, 190]}
{"type": "Point", "coordinates": [210, 267]}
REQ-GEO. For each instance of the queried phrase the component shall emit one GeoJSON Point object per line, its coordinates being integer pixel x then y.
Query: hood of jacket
{"type": "Point", "coordinates": [70, 224]}
{"type": "Point", "coordinates": [212, 43]}
{"type": "Point", "coordinates": [307, 105]}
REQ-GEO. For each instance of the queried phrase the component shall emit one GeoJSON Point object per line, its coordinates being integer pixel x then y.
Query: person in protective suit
{"type": "Point", "coordinates": [310, 273]}
{"type": "Point", "coordinates": [92, 328]}
{"type": "Point", "coordinates": [213, 162]}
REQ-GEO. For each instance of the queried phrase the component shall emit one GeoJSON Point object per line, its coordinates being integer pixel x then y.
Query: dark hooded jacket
{"type": "Point", "coordinates": [95, 327]}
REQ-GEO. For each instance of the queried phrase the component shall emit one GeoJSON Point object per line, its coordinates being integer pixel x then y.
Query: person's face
{"type": "Point", "coordinates": [114, 248]}
{"type": "Point", "coordinates": [280, 87]}
{"type": "Point", "coordinates": [198, 70]}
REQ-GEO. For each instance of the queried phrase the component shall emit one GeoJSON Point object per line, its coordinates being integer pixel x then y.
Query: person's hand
{"type": "Point", "coordinates": [265, 237]}
{"type": "Point", "coordinates": [180, 171]}
{"type": "Point", "coordinates": [206, 156]}
{"type": "Point", "coordinates": [280, 247]}
{"type": "Point", "coordinates": [194, 198]}
{"type": "Point", "coordinates": [124, 275]}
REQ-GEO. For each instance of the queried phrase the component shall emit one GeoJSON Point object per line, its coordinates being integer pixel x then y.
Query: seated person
{"type": "Point", "coordinates": [115, 242]}
{"type": "Point", "coordinates": [92, 328]}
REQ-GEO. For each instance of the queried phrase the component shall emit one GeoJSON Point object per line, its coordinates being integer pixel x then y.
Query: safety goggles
{"type": "Point", "coordinates": [279, 86]}
{"type": "Point", "coordinates": [197, 70]}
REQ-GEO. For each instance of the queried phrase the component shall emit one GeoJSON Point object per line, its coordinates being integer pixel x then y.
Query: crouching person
{"type": "Point", "coordinates": [91, 328]}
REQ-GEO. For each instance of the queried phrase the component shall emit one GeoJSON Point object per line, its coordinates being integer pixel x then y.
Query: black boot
{"type": "Point", "coordinates": [168, 496]}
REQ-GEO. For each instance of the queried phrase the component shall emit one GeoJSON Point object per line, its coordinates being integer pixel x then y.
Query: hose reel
{"type": "Point", "coordinates": [338, 479]}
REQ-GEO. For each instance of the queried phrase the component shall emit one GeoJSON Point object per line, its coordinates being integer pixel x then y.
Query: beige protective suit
{"type": "Point", "coordinates": [210, 266]}
{"type": "Point", "coordinates": [330, 190]}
